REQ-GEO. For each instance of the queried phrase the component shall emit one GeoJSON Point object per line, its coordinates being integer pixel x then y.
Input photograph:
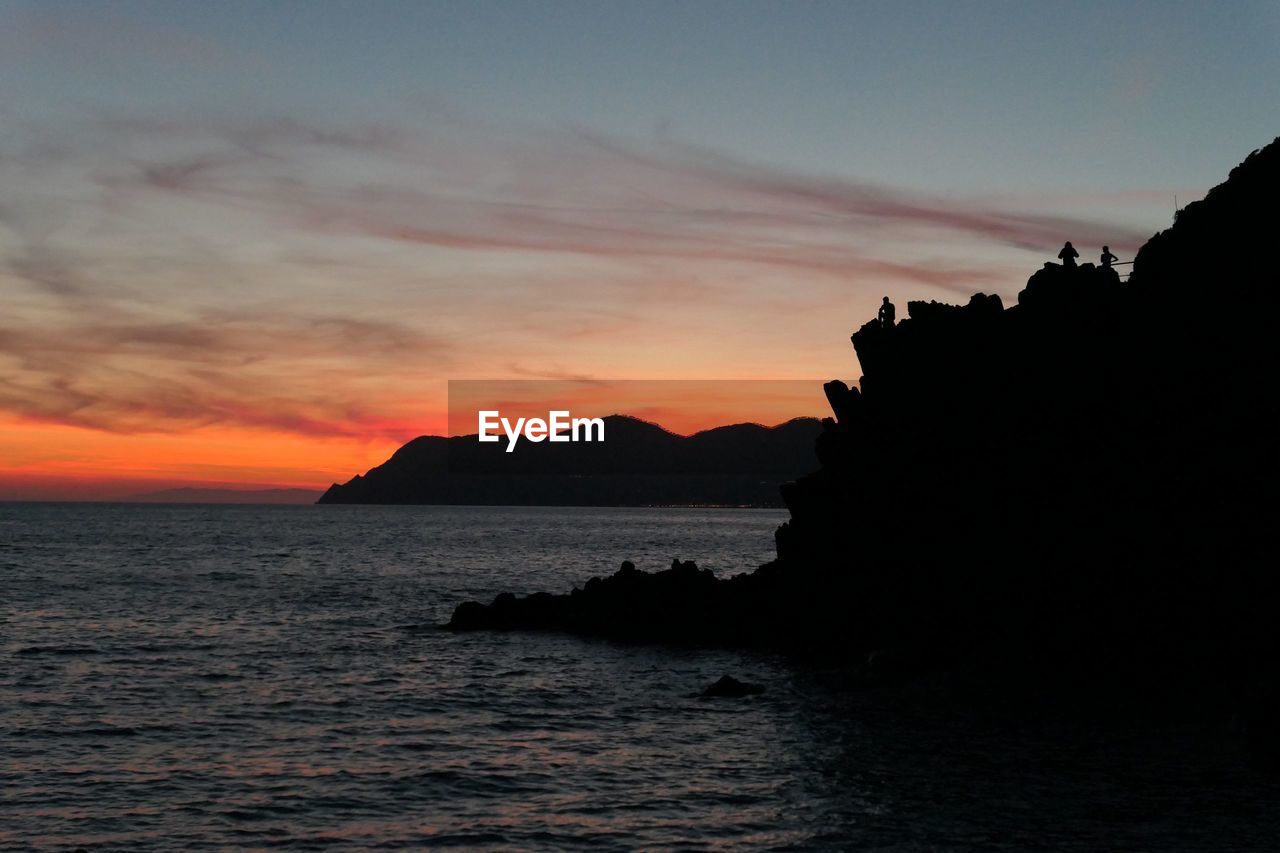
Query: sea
{"type": "Point", "coordinates": [259, 677]}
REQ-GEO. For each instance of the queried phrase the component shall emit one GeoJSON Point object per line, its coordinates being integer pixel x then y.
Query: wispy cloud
{"type": "Point", "coordinates": [126, 374]}
{"type": "Point", "coordinates": [578, 193]}
{"type": "Point", "coordinates": [164, 273]}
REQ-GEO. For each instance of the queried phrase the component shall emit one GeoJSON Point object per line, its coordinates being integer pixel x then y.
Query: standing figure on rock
{"type": "Point", "coordinates": [1107, 258]}
{"type": "Point", "coordinates": [1068, 256]}
{"type": "Point", "coordinates": [887, 314]}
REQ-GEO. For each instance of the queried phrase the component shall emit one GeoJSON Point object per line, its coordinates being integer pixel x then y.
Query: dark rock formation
{"type": "Point", "coordinates": [1085, 481]}
{"type": "Point", "coordinates": [638, 464]}
{"type": "Point", "coordinates": [683, 603]}
{"type": "Point", "coordinates": [728, 687]}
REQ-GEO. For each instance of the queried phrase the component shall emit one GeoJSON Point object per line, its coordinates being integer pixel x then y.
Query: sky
{"type": "Point", "coordinates": [249, 244]}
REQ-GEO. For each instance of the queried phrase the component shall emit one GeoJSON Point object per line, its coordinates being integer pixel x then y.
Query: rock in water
{"type": "Point", "coordinates": [729, 687]}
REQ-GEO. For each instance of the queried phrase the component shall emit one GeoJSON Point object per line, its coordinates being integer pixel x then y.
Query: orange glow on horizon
{"type": "Point", "coordinates": [44, 461]}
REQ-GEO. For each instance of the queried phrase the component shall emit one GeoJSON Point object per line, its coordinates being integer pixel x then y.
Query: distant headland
{"type": "Point", "coordinates": [639, 464]}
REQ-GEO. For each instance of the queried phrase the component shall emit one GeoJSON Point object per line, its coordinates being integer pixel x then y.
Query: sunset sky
{"type": "Point", "coordinates": [249, 243]}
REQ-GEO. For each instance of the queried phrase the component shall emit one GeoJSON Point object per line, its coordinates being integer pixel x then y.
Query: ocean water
{"type": "Point", "coordinates": [255, 677]}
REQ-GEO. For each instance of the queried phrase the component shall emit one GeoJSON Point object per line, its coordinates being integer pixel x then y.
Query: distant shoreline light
{"type": "Point", "coordinates": [558, 426]}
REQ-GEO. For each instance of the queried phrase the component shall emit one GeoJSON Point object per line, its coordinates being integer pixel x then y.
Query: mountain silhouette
{"type": "Point", "coordinates": [1083, 482]}
{"type": "Point", "coordinates": [638, 464]}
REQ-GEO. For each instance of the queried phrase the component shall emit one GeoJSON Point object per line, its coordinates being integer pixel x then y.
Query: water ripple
{"type": "Point", "coordinates": [274, 677]}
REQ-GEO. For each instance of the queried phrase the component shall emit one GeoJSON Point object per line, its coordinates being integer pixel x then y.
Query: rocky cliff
{"type": "Point", "coordinates": [1086, 478]}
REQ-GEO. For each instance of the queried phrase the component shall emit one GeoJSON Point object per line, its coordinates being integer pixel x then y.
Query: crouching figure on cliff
{"type": "Point", "coordinates": [887, 314]}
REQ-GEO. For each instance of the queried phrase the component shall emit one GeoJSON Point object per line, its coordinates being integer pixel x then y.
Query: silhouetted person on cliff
{"type": "Point", "coordinates": [1107, 258]}
{"type": "Point", "coordinates": [1068, 256]}
{"type": "Point", "coordinates": [887, 314]}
